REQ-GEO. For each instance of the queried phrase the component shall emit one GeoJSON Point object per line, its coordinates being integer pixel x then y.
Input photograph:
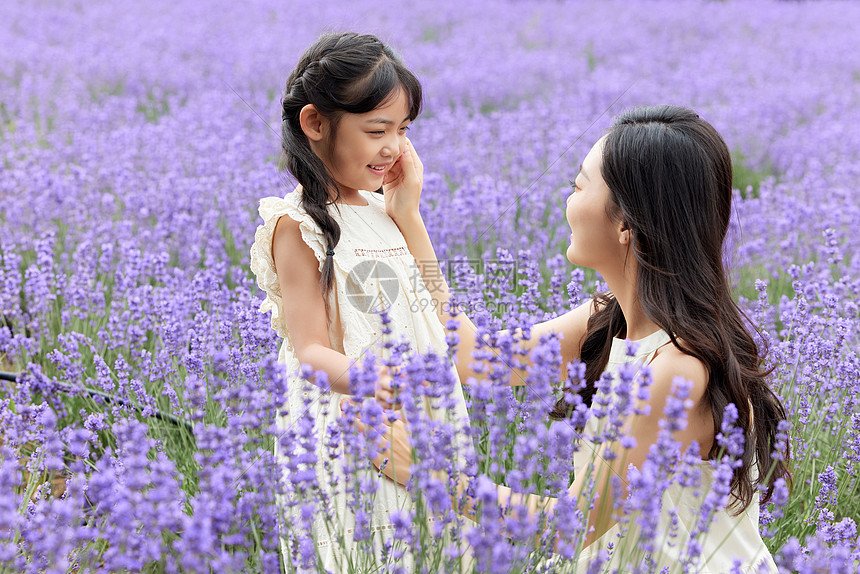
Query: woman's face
{"type": "Point", "coordinates": [366, 145]}
{"type": "Point", "coordinates": [594, 238]}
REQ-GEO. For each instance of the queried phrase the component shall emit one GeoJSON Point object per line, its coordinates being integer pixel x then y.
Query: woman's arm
{"type": "Point", "coordinates": [305, 313]}
{"type": "Point", "coordinates": [595, 485]}
{"type": "Point", "coordinates": [402, 198]}
{"type": "Point", "coordinates": [570, 326]}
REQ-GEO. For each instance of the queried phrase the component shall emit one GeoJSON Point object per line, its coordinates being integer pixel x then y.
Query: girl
{"type": "Point", "coordinates": [337, 259]}
{"type": "Point", "coordinates": [649, 211]}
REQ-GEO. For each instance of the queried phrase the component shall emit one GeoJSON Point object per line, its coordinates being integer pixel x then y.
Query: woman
{"type": "Point", "coordinates": [649, 211]}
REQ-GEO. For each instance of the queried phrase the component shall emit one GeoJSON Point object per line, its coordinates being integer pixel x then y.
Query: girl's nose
{"type": "Point", "coordinates": [394, 147]}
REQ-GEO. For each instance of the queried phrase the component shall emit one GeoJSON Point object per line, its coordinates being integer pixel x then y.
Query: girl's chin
{"type": "Point", "coordinates": [373, 183]}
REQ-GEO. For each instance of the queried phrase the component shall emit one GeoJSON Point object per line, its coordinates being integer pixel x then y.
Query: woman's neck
{"type": "Point", "coordinates": [622, 284]}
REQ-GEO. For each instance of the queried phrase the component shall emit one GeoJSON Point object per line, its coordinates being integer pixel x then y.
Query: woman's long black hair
{"type": "Point", "coordinates": [340, 73]}
{"type": "Point", "coordinates": [670, 179]}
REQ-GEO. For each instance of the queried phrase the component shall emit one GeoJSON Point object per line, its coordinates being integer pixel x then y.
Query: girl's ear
{"type": "Point", "coordinates": [312, 122]}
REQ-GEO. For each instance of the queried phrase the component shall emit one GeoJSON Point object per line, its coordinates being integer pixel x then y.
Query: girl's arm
{"type": "Point", "coordinates": [305, 313]}
{"type": "Point", "coordinates": [402, 197]}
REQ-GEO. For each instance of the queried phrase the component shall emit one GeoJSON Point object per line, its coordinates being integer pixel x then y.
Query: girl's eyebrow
{"type": "Point", "coordinates": [385, 121]}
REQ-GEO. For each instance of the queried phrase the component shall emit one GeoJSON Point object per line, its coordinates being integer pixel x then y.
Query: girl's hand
{"type": "Point", "coordinates": [394, 447]}
{"type": "Point", "coordinates": [384, 394]}
{"type": "Point", "coordinates": [402, 185]}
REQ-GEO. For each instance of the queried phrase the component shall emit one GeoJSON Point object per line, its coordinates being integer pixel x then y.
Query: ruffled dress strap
{"type": "Point", "coordinates": [263, 264]}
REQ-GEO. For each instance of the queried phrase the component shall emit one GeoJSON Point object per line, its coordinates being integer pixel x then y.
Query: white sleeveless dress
{"type": "Point", "coordinates": [729, 537]}
{"type": "Point", "coordinates": [372, 267]}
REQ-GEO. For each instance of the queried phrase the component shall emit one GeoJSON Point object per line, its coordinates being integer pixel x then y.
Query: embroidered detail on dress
{"type": "Point", "coordinates": [390, 252]}
{"type": "Point", "coordinates": [378, 528]}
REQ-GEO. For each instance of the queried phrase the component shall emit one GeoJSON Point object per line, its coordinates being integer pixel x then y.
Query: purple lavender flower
{"type": "Point", "coordinates": [128, 181]}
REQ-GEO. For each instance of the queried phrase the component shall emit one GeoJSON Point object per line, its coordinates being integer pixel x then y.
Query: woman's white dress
{"type": "Point", "coordinates": [728, 538]}
{"type": "Point", "coordinates": [373, 268]}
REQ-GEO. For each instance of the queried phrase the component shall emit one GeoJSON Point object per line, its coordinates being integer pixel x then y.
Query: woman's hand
{"type": "Point", "coordinates": [394, 447]}
{"type": "Point", "coordinates": [402, 185]}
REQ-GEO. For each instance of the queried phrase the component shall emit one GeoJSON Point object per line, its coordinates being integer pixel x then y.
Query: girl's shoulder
{"type": "Point", "coordinates": [295, 198]}
{"type": "Point", "coordinates": [290, 204]}
{"type": "Point", "coordinates": [272, 210]}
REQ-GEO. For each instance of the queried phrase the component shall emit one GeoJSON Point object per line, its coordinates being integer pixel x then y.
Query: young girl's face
{"type": "Point", "coordinates": [594, 238]}
{"type": "Point", "coordinates": [367, 145]}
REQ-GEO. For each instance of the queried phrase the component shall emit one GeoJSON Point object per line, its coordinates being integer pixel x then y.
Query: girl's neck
{"type": "Point", "coordinates": [351, 197]}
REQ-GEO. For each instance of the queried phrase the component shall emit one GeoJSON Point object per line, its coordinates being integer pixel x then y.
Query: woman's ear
{"type": "Point", "coordinates": [625, 235]}
{"type": "Point", "coordinates": [313, 123]}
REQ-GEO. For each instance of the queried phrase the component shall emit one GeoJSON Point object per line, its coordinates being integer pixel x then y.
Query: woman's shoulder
{"type": "Point", "coordinates": [671, 363]}
{"type": "Point", "coordinates": [669, 368]}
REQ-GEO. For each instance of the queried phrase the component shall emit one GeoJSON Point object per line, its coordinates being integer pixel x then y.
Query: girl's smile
{"type": "Point", "coordinates": [365, 146]}
{"type": "Point", "coordinates": [380, 169]}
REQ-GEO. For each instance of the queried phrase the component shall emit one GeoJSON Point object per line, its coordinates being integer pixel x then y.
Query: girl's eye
{"type": "Point", "coordinates": [378, 133]}
{"type": "Point", "coordinates": [573, 185]}
{"type": "Point", "coordinates": [404, 129]}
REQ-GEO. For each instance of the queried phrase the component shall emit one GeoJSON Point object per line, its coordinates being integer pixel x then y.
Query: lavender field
{"type": "Point", "coordinates": [138, 138]}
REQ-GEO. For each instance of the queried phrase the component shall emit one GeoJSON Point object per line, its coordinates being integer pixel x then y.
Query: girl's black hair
{"type": "Point", "coordinates": [340, 73]}
{"type": "Point", "coordinates": [669, 175]}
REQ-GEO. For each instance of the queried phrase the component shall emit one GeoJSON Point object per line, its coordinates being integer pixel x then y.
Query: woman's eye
{"type": "Point", "coordinates": [573, 185]}
{"type": "Point", "coordinates": [404, 129]}
{"type": "Point", "coordinates": [378, 133]}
